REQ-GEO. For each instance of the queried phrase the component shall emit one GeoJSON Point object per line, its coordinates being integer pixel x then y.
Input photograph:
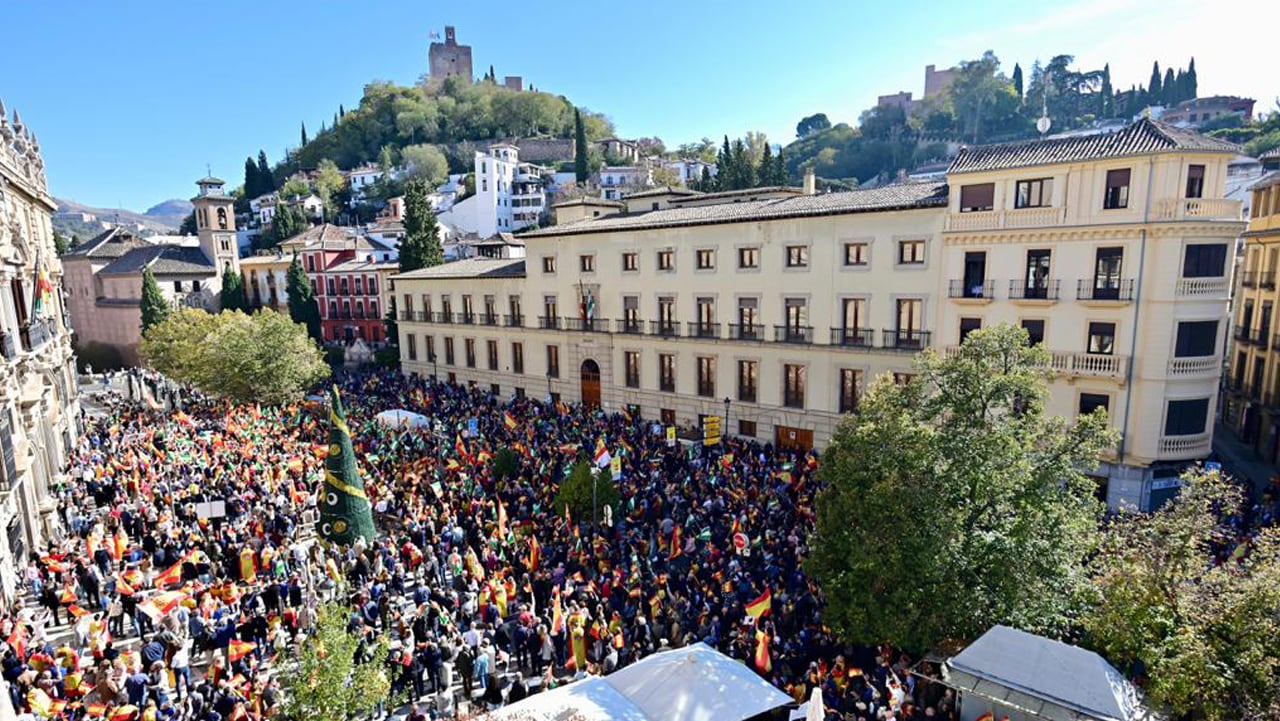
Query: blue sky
{"type": "Point", "coordinates": [131, 100]}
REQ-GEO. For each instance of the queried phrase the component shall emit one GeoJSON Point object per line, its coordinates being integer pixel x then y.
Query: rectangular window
{"type": "Point", "coordinates": [910, 315]}
{"type": "Point", "coordinates": [666, 260]}
{"type": "Point", "coordinates": [1196, 339]}
{"type": "Point", "coordinates": [707, 376]}
{"type": "Point", "coordinates": [797, 315]}
{"type": "Point", "coordinates": [748, 317]}
{"type": "Point", "coordinates": [491, 347]}
{"type": "Point", "coordinates": [748, 380]}
{"type": "Point", "coordinates": [548, 264]}
{"type": "Point", "coordinates": [1035, 331]}
{"type": "Point", "coordinates": [1037, 280]}
{"type": "Point", "coordinates": [430, 347]}
{"type": "Point", "coordinates": [969, 325]}
{"type": "Point", "coordinates": [706, 259]}
{"type": "Point", "coordinates": [1117, 191]}
{"type": "Point", "coordinates": [490, 310]}
{"type": "Point", "coordinates": [426, 306]}
{"type": "Point", "coordinates": [411, 345]}
{"type": "Point", "coordinates": [517, 357]}
{"type": "Point", "coordinates": [550, 312]}
{"type": "Point", "coordinates": [911, 252]}
{"type": "Point", "coordinates": [797, 256]}
{"type": "Point", "coordinates": [1186, 418]}
{"type": "Point", "coordinates": [667, 416]}
{"type": "Point", "coordinates": [587, 263]}
{"type": "Point", "coordinates": [793, 385]}
{"type": "Point", "coordinates": [853, 316]}
{"type": "Point", "coordinates": [468, 309]}
{"type": "Point", "coordinates": [408, 306]}
{"type": "Point", "coordinates": [1034, 193]}
{"type": "Point", "coordinates": [630, 262]}
{"type": "Point", "coordinates": [975, 198]}
{"type": "Point", "coordinates": [1195, 181]}
{"type": "Point", "coordinates": [748, 258]}
{"type": "Point", "coordinates": [330, 285]}
{"type": "Point", "coordinates": [747, 428]}
{"type": "Point", "coordinates": [448, 351]}
{"type": "Point", "coordinates": [1204, 260]}
{"type": "Point", "coordinates": [553, 361]}
{"type": "Point", "coordinates": [856, 254]}
{"type": "Point", "coordinates": [1102, 338]}
{"type": "Point", "coordinates": [667, 372]}
{"type": "Point", "coordinates": [469, 346]}
{"type": "Point", "coordinates": [666, 315]}
{"type": "Point", "coordinates": [631, 365]}
{"type": "Point", "coordinates": [1092, 401]}
{"type": "Point", "coordinates": [1108, 264]}
{"type": "Point", "coordinates": [706, 325]}
{"type": "Point", "coordinates": [850, 381]}
{"type": "Point", "coordinates": [513, 306]}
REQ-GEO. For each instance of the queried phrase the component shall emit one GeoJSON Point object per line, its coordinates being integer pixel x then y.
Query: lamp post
{"type": "Point", "coordinates": [435, 369]}
{"type": "Point", "coordinates": [548, 386]}
{"type": "Point", "coordinates": [724, 429]}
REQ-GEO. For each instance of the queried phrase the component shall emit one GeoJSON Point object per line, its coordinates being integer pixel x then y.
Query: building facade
{"type": "Point", "coordinates": [780, 305]}
{"type": "Point", "coordinates": [38, 388]}
{"type": "Point", "coordinates": [266, 280]}
{"type": "Point", "coordinates": [348, 272]}
{"type": "Point", "coordinates": [104, 274]}
{"type": "Point", "coordinates": [509, 194]}
{"type": "Point", "coordinates": [1251, 405]}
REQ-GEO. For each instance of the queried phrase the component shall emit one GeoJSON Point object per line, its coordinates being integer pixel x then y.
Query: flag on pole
{"type": "Point", "coordinates": [602, 453]}
{"type": "Point", "coordinates": [761, 606]}
{"type": "Point", "coordinates": [535, 553]}
{"type": "Point", "coordinates": [508, 420]}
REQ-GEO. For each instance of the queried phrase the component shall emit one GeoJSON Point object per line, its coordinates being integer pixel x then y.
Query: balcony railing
{"type": "Point", "coordinates": [9, 345]}
{"type": "Point", "coordinates": [1202, 286]}
{"type": "Point", "coordinates": [746, 331]}
{"type": "Point", "coordinates": [1241, 333]}
{"type": "Point", "coordinates": [489, 319]}
{"type": "Point", "coordinates": [704, 330]}
{"type": "Point", "coordinates": [1260, 338]}
{"type": "Point", "coordinates": [1267, 279]}
{"type": "Point", "coordinates": [908, 339]}
{"type": "Point", "coordinates": [1197, 208]}
{"type": "Point", "coordinates": [1249, 279]}
{"type": "Point", "coordinates": [986, 290]}
{"type": "Point", "coordinates": [513, 321]}
{"type": "Point", "coordinates": [853, 337]}
{"type": "Point", "coordinates": [1089, 364]}
{"type": "Point", "coordinates": [594, 325]}
{"type": "Point", "coordinates": [997, 219]}
{"type": "Point", "coordinates": [793, 333]}
{"type": "Point", "coordinates": [1185, 447]}
{"type": "Point", "coordinates": [548, 321]}
{"type": "Point", "coordinates": [465, 318]}
{"type": "Point", "coordinates": [1047, 290]}
{"type": "Point", "coordinates": [630, 326]}
{"type": "Point", "coordinates": [406, 315]}
{"type": "Point", "coordinates": [1116, 291]}
{"type": "Point", "coordinates": [664, 328]}
{"type": "Point", "coordinates": [1207, 365]}
{"type": "Point", "coordinates": [442, 317]}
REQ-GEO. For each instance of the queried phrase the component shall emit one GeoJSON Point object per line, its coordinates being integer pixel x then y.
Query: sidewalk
{"type": "Point", "coordinates": [1240, 460]}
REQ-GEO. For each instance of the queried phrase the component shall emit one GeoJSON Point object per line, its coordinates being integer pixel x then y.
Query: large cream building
{"type": "Point", "coordinates": [779, 305]}
{"type": "Point", "coordinates": [39, 413]}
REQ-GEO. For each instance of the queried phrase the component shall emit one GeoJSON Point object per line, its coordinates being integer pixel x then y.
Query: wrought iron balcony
{"type": "Point", "coordinates": [704, 330]}
{"type": "Point", "coordinates": [548, 322]}
{"type": "Point", "coordinates": [1097, 289]}
{"type": "Point", "coordinates": [489, 319]}
{"type": "Point", "coordinates": [513, 321]}
{"type": "Point", "coordinates": [746, 331]}
{"type": "Point", "coordinates": [594, 325]}
{"type": "Point", "coordinates": [630, 326]}
{"type": "Point", "coordinates": [853, 337]}
{"type": "Point", "coordinates": [664, 328]}
{"type": "Point", "coordinates": [908, 339]}
{"type": "Point", "coordinates": [793, 333]}
{"type": "Point", "coordinates": [959, 288]}
{"type": "Point", "coordinates": [1046, 290]}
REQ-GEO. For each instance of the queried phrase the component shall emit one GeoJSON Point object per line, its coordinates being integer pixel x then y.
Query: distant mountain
{"type": "Point", "coordinates": [85, 221]}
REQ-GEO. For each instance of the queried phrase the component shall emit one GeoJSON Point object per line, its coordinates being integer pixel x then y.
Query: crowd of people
{"type": "Point", "coordinates": [188, 571]}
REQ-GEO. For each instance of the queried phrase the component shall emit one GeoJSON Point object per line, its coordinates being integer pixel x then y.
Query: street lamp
{"type": "Point", "coordinates": [548, 386]}
{"type": "Point", "coordinates": [725, 423]}
{"type": "Point", "coordinates": [435, 369]}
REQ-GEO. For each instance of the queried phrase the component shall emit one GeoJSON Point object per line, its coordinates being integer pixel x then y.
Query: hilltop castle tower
{"type": "Point", "coordinates": [449, 59]}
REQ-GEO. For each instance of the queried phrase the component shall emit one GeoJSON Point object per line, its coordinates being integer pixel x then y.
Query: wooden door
{"type": "Point", "coordinates": [590, 384]}
{"type": "Point", "coordinates": [790, 437]}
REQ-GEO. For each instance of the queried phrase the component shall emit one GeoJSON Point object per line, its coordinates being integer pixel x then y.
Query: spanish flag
{"type": "Point", "coordinates": [124, 713]}
{"type": "Point", "coordinates": [95, 710]}
{"type": "Point", "coordinates": [124, 588]}
{"type": "Point", "coordinates": [763, 663]}
{"type": "Point", "coordinates": [535, 553]}
{"type": "Point", "coordinates": [76, 611]}
{"type": "Point", "coordinates": [508, 420]}
{"type": "Point", "coordinates": [557, 613]}
{"type": "Point", "coordinates": [459, 447]}
{"type": "Point", "coordinates": [761, 606]}
{"type": "Point", "coordinates": [238, 649]}
{"type": "Point", "coordinates": [988, 716]}
{"type": "Point", "coordinates": [121, 544]}
{"type": "Point", "coordinates": [173, 575]}
{"type": "Point", "coordinates": [677, 542]}
{"type": "Point", "coordinates": [68, 596]}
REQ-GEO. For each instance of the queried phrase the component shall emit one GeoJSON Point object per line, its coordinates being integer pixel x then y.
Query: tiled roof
{"type": "Point", "coordinates": [1268, 180]}
{"type": "Point", "coordinates": [332, 236]}
{"type": "Point", "coordinates": [163, 260]}
{"type": "Point", "coordinates": [1141, 138]}
{"type": "Point", "coordinates": [111, 243]}
{"type": "Point", "coordinates": [590, 200]}
{"type": "Point", "coordinates": [767, 190]}
{"type": "Point", "coordinates": [903, 196]}
{"type": "Point", "coordinates": [469, 268]}
{"type": "Point", "coordinates": [268, 259]}
{"type": "Point", "coordinates": [1272, 154]}
{"type": "Point", "coordinates": [663, 190]}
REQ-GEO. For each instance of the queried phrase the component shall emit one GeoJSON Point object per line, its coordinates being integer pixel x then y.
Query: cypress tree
{"type": "Point", "coordinates": [233, 295]}
{"type": "Point", "coordinates": [1106, 106]}
{"type": "Point", "coordinates": [707, 184]}
{"type": "Point", "coordinates": [745, 171]}
{"type": "Point", "coordinates": [1169, 89]}
{"type": "Point", "coordinates": [421, 247]}
{"type": "Point", "coordinates": [304, 136]}
{"type": "Point", "coordinates": [1154, 91]}
{"type": "Point", "coordinates": [581, 166]}
{"type": "Point", "coordinates": [1017, 79]}
{"type": "Point", "coordinates": [266, 181]}
{"type": "Point", "coordinates": [727, 177]}
{"type": "Point", "coordinates": [250, 179]}
{"type": "Point", "coordinates": [155, 307]}
{"type": "Point", "coordinates": [779, 168]}
{"type": "Point", "coordinates": [302, 300]}
{"type": "Point", "coordinates": [342, 112]}
{"type": "Point", "coordinates": [764, 171]}
{"type": "Point", "coordinates": [1192, 89]}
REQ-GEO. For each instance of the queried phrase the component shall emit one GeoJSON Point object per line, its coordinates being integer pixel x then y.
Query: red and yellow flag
{"type": "Point", "coordinates": [173, 575]}
{"type": "Point", "coordinates": [761, 606]}
{"type": "Point", "coordinates": [677, 542]}
{"type": "Point", "coordinates": [535, 553]}
{"type": "Point", "coordinates": [508, 420]}
{"type": "Point", "coordinates": [557, 613]}
{"type": "Point", "coordinates": [76, 611]}
{"type": "Point", "coordinates": [239, 649]}
{"type": "Point", "coordinates": [764, 664]}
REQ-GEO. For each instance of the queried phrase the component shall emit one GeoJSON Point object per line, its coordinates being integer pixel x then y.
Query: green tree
{"type": "Point", "coordinates": [288, 221]}
{"type": "Point", "coordinates": [266, 180]}
{"type": "Point", "coordinates": [75, 241]}
{"type": "Point", "coordinates": [580, 151]}
{"type": "Point", "coordinates": [576, 492]}
{"type": "Point", "coordinates": [329, 185]}
{"type": "Point", "coordinates": [60, 243]}
{"type": "Point", "coordinates": [1169, 592]}
{"type": "Point", "coordinates": [1017, 79]}
{"type": "Point", "coordinates": [389, 324]}
{"type": "Point", "coordinates": [1192, 89]}
{"type": "Point", "coordinates": [426, 162]}
{"type": "Point", "coordinates": [304, 135]}
{"type": "Point", "coordinates": [506, 463]}
{"type": "Point", "coordinates": [302, 299]}
{"type": "Point", "coordinates": [251, 183]}
{"type": "Point", "coordinates": [259, 358]}
{"type": "Point", "coordinates": [233, 294]}
{"type": "Point", "coordinates": [812, 124]}
{"type": "Point", "coordinates": [155, 307]}
{"type": "Point", "coordinates": [957, 501]}
{"type": "Point", "coordinates": [1169, 89]}
{"type": "Point", "coordinates": [421, 246]}
{"type": "Point", "coordinates": [188, 224]}
{"type": "Point", "coordinates": [1154, 91]}
{"type": "Point", "coordinates": [337, 675]}
{"type": "Point", "coordinates": [767, 172]}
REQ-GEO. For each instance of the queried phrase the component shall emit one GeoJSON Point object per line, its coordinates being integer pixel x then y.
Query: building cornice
{"type": "Point", "coordinates": [1092, 232]}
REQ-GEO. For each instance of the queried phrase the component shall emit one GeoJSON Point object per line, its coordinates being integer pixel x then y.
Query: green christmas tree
{"type": "Point", "coordinates": [345, 513]}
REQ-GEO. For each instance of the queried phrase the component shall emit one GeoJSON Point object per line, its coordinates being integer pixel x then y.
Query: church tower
{"type": "Point", "coordinates": [216, 225]}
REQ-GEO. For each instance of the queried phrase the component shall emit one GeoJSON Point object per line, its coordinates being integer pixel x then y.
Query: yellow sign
{"type": "Point", "coordinates": [671, 436]}
{"type": "Point", "coordinates": [710, 430]}
{"type": "Point", "coordinates": [615, 466]}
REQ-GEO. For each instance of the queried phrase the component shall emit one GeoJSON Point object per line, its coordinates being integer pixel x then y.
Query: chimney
{"type": "Point", "coordinates": [810, 182]}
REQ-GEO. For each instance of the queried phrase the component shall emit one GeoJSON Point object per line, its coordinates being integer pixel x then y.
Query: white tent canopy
{"type": "Point", "coordinates": [400, 417]}
{"type": "Point", "coordinates": [694, 683]}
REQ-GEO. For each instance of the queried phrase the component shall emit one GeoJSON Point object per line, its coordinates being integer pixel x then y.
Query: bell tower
{"type": "Point", "coordinates": [216, 225]}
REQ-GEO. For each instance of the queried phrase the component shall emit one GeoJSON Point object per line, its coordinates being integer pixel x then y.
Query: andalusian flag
{"type": "Point", "coordinates": [509, 420]}
{"type": "Point", "coordinates": [43, 294]}
{"type": "Point", "coordinates": [761, 606]}
{"type": "Point", "coordinates": [345, 513]}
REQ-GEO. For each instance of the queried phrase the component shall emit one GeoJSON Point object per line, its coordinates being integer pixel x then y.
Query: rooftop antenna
{"type": "Point", "coordinates": [208, 170]}
{"type": "Point", "coordinates": [1043, 123]}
